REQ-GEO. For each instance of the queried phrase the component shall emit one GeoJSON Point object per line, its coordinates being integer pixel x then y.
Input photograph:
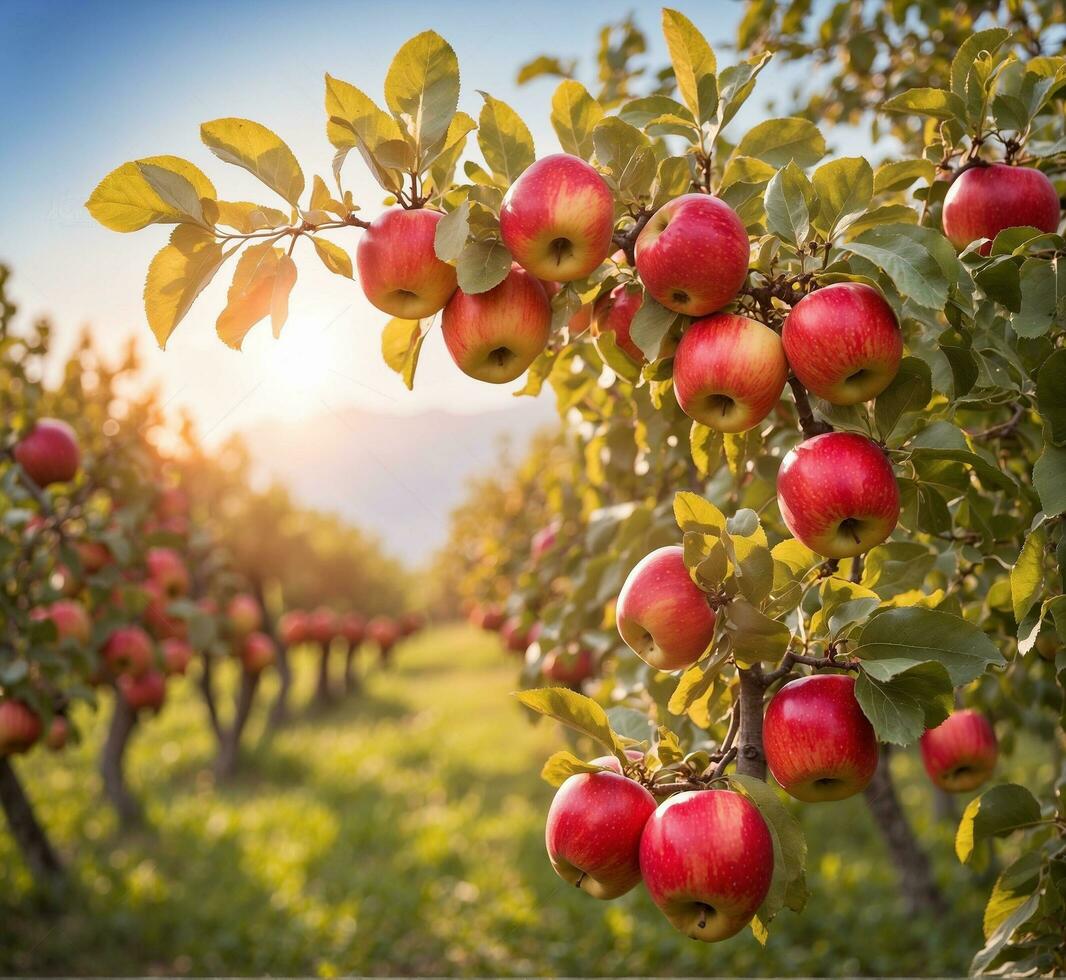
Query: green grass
{"type": "Point", "coordinates": [402, 833]}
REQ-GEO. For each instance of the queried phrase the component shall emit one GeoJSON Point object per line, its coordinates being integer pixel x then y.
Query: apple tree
{"type": "Point", "coordinates": [809, 500]}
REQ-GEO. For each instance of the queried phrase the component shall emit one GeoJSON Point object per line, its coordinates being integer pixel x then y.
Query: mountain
{"type": "Point", "coordinates": [396, 476]}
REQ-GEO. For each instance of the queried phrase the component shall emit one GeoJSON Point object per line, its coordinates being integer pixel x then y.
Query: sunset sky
{"type": "Point", "coordinates": [90, 86]}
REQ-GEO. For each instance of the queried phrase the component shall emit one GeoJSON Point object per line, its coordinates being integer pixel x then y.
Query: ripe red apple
{"type": "Point", "coordinates": [614, 313]}
{"type": "Point", "coordinates": [58, 733]}
{"type": "Point", "coordinates": [398, 266]}
{"type": "Point", "coordinates": [167, 569]}
{"type": "Point", "coordinates": [960, 754]}
{"type": "Point", "coordinates": [353, 628]}
{"type": "Point", "coordinates": [692, 256]}
{"type": "Point", "coordinates": [20, 727]}
{"type": "Point", "coordinates": [557, 218]}
{"type": "Point", "coordinates": [147, 691]}
{"type": "Point", "coordinates": [383, 631]}
{"type": "Point", "coordinates": [982, 201]}
{"type": "Point", "coordinates": [293, 628]}
{"type": "Point", "coordinates": [494, 336]}
{"type": "Point", "coordinates": [70, 618]}
{"type": "Point", "coordinates": [571, 665]}
{"type": "Point", "coordinates": [515, 637]}
{"type": "Point", "coordinates": [257, 652]}
{"type": "Point", "coordinates": [707, 858]}
{"type": "Point", "coordinates": [543, 541]}
{"type": "Point", "coordinates": [411, 623]}
{"type": "Point", "coordinates": [49, 452]}
{"type": "Point", "coordinates": [593, 832]}
{"type": "Point", "coordinates": [172, 503]}
{"type": "Point", "coordinates": [488, 617]}
{"type": "Point", "coordinates": [663, 616]}
{"type": "Point", "coordinates": [729, 372]}
{"type": "Point", "coordinates": [634, 755]}
{"type": "Point", "coordinates": [128, 651]}
{"type": "Point", "coordinates": [533, 636]}
{"type": "Point", "coordinates": [322, 626]}
{"type": "Point", "coordinates": [94, 555]}
{"type": "Point", "coordinates": [843, 342]}
{"type": "Point", "coordinates": [838, 494]}
{"type": "Point", "coordinates": [819, 745]}
{"type": "Point", "coordinates": [244, 614]}
{"type": "Point", "coordinates": [177, 655]}
{"type": "Point", "coordinates": [156, 617]}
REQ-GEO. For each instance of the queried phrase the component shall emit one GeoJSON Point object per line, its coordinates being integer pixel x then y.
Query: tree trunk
{"type": "Point", "coordinates": [230, 745]}
{"type": "Point", "coordinates": [916, 880]}
{"type": "Point", "coordinates": [323, 691]}
{"type": "Point", "coordinates": [351, 676]}
{"type": "Point", "coordinates": [944, 807]}
{"type": "Point", "coordinates": [123, 722]}
{"type": "Point", "coordinates": [31, 839]}
{"type": "Point", "coordinates": [751, 759]}
{"type": "Point", "coordinates": [279, 710]}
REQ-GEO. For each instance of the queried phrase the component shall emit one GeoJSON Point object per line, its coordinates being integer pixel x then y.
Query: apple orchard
{"type": "Point", "coordinates": [805, 507]}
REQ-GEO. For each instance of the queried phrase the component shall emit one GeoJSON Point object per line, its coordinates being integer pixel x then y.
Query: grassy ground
{"type": "Point", "coordinates": [401, 833]}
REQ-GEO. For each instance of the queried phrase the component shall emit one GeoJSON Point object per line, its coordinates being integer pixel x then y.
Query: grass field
{"type": "Point", "coordinates": [401, 833]}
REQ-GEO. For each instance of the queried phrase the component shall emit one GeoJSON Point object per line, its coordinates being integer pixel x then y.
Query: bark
{"type": "Point", "coordinates": [279, 710]}
{"type": "Point", "coordinates": [229, 748]}
{"type": "Point", "coordinates": [944, 807]}
{"type": "Point", "coordinates": [916, 880]}
{"type": "Point", "coordinates": [351, 675]}
{"type": "Point", "coordinates": [30, 837]}
{"type": "Point", "coordinates": [751, 759]}
{"type": "Point", "coordinates": [323, 690]}
{"type": "Point", "coordinates": [123, 723]}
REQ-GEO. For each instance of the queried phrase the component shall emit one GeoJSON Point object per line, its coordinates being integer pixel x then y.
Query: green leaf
{"type": "Point", "coordinates": [452, 232]}
{"type": "Point", "coordinates": [904, 706]}
{"type": "Point", "coordinates": [904, 253]}
{"type": "Point", "coordinates": [962, 64]}
{"type": "Point", "coordinates": [258, 150]}
{"type": "Point", "coordinates": [695, 513]}
{"type": "Point", "coordinates": [780, 141]}
{"type": "Point", "coordinates": [1017, 882]}
{"type": "Point", "coordinates": [482, 266]}
{"type": "Point", "coordinates": [1004, 934]}
{"type": "Point", "coordinates": [1040, 293]}
{"type": "Point", "coordinates": [575, 114]}
{"type": "Point", "coordinates": [422, 89]}
{"type": "Point", "coordinates": [333, 257]}
{"type": "Point", "coordinates": [627, 155]}
{"type": "Point", "coordinates": [1001, 281]}
{"type": "Point", "coordinates": [896, 639]}
{"type": "Point", "coordinates": [901, 174]}
{"type": "Point", "coordinates": [177, 275]}
{"type": "Point", "coordinates": [1049, 479]}
{"type": "Point", "coordinates": [694, 65]}
{"type": "Point", "coordinates": [754, 636]}
{"type": "Point", "coordinates": [125, 200]}
{"type": "Point", "coordinates": [1027, 573]}
{"type": "Point", "coordinates": [504, 139]}
{"type": "Point", "coordinates": [995, 813]}
{"type": "Point", "coordinates": [630, 723]}
{"type": "Point", "coordinates": [1051, 395]}
{"type": "Point", "coordinates": [650, 326]}
{"type": "Point", "coordinates": [575, 711]}
{"type": "Point", "coordinates": [735, 84]}
{"type": "Point", "coordinates": [909, 391]}
{"type": "Point", "coordinates": [788, 200]}
{"type": "Point", "coordinates": [562, 765]}
{"type": "Point", "coordinates": [933, 102]}
{"type": "Point", "coordinates": [845, 188]}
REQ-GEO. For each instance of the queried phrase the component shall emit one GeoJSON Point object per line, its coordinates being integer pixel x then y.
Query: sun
{"type": "Point", "coordinates": [295, 371]}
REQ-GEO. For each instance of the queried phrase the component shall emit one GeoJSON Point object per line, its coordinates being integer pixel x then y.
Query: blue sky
{"type": "Point", "coordinates": [89, 86]}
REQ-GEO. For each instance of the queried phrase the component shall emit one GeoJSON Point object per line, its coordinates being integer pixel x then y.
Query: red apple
{"type": "Point", "coordinates": [244, 614]}
{"type": "Point", "coordinates": [634, 755]}
{"type": "Point", "coordinates": [257, 652]}
{"type": "Point", "coordinates": [819, 745]}
{"type": "Point", "coordinates": [571, 665]}
{"type": "Point", "coordinates": [692, 256]}
{"type": "Point", "coordinates": [293, 628]}
{"type": "Point", "coordinates": [494, 336]}
{"type": "Point", "coordinates": [729, 372]}
{"type": "Point", "coordinates": [172, 503]}
{"type": "Point", "coordinates": [543, 541]}
{"type": "Point", "coordinates": [557, 218]}
{"type": "Point", "coordinates": [20, 727]}
{"type": "Point", "coordinates": [128, 651]}
{"type": "Point", "coordinates": [983, 201]}
{"type": "Point", "coordinates": [177, 655]}
{"type": "Point", "coordinates": [353, 628]}
{"type": "Point", "coordinates": [147, 691]}
{"type": "Point", "coordinates": [488, 617]}
{"type": "Point", "coordinates": [70, 618]}
{"type": "Point", "coordinates": [533, 636]}
{"type": "Point", "coordinates": [167, 569]}
{"type": "Point", "coordinates": [515, 637]}
{"type": "Point", "coordinates": [838, 494]}
{"type": "Point", "coordinates": [707, 858]}
{"type": "Point", "coordinates": [960, 754]}
{"type": "Point", "coordinates": [322, 626]}
{"type": "Point", "coordinates": [411, 623]}
{"type": "Point", "coordinates": [94, 555]}
{"type": "Point", "coordinates": [383, 631]}
{"type": "Point", "coordinates": [58, 734]}
{"type": "Point", "coordinates": [843, 342]}
{"type": "Point", "coordinates": [593, 832]}
{"type": "Point", "coordinates": [662, 615]}
{"type": "Point", "coordinates": [614, 313]}
{"type": "Point", "coordinates": [158, 620]}
{"type": "Point", "coordinates": [398, 266]}
{"type": "Point", "coordinates": [49, 452]}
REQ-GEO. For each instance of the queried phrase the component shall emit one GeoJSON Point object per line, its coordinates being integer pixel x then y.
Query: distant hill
{"type": "Point", "coordinates": [396, 476]}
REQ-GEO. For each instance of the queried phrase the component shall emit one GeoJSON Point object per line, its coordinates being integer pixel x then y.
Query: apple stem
{"type": "Point", "coordinates": [580, 879]}
{"type": "Point", "coordinates": [702, 923]}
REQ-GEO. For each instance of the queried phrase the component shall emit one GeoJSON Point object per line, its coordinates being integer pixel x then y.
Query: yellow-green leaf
{"type": "Point", "coordinates": [251, 294]}
{"type": "Point", "coordinates": [177, 275]}
{"type": "Point", "coordinates": [504, 139]}
{"type": "Point", "coordinates": [258, 150]}
{"type": "Point", "coordinates": [401, 343]}
{"type": "Point", "coordinates": [333, 257]}
{"type": "Point", "coordinates": [574, 116]}
{"type": "Point", "coordinates": [284, 280]}
{"type": "Point", "coordinates": [422, 89]}
{"type": "Point", "coordinates": [125, 200]}
{"type": "Point", "coordinates": [694, 65]}
{"type": "Point", "coordinates": [562, 765]}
